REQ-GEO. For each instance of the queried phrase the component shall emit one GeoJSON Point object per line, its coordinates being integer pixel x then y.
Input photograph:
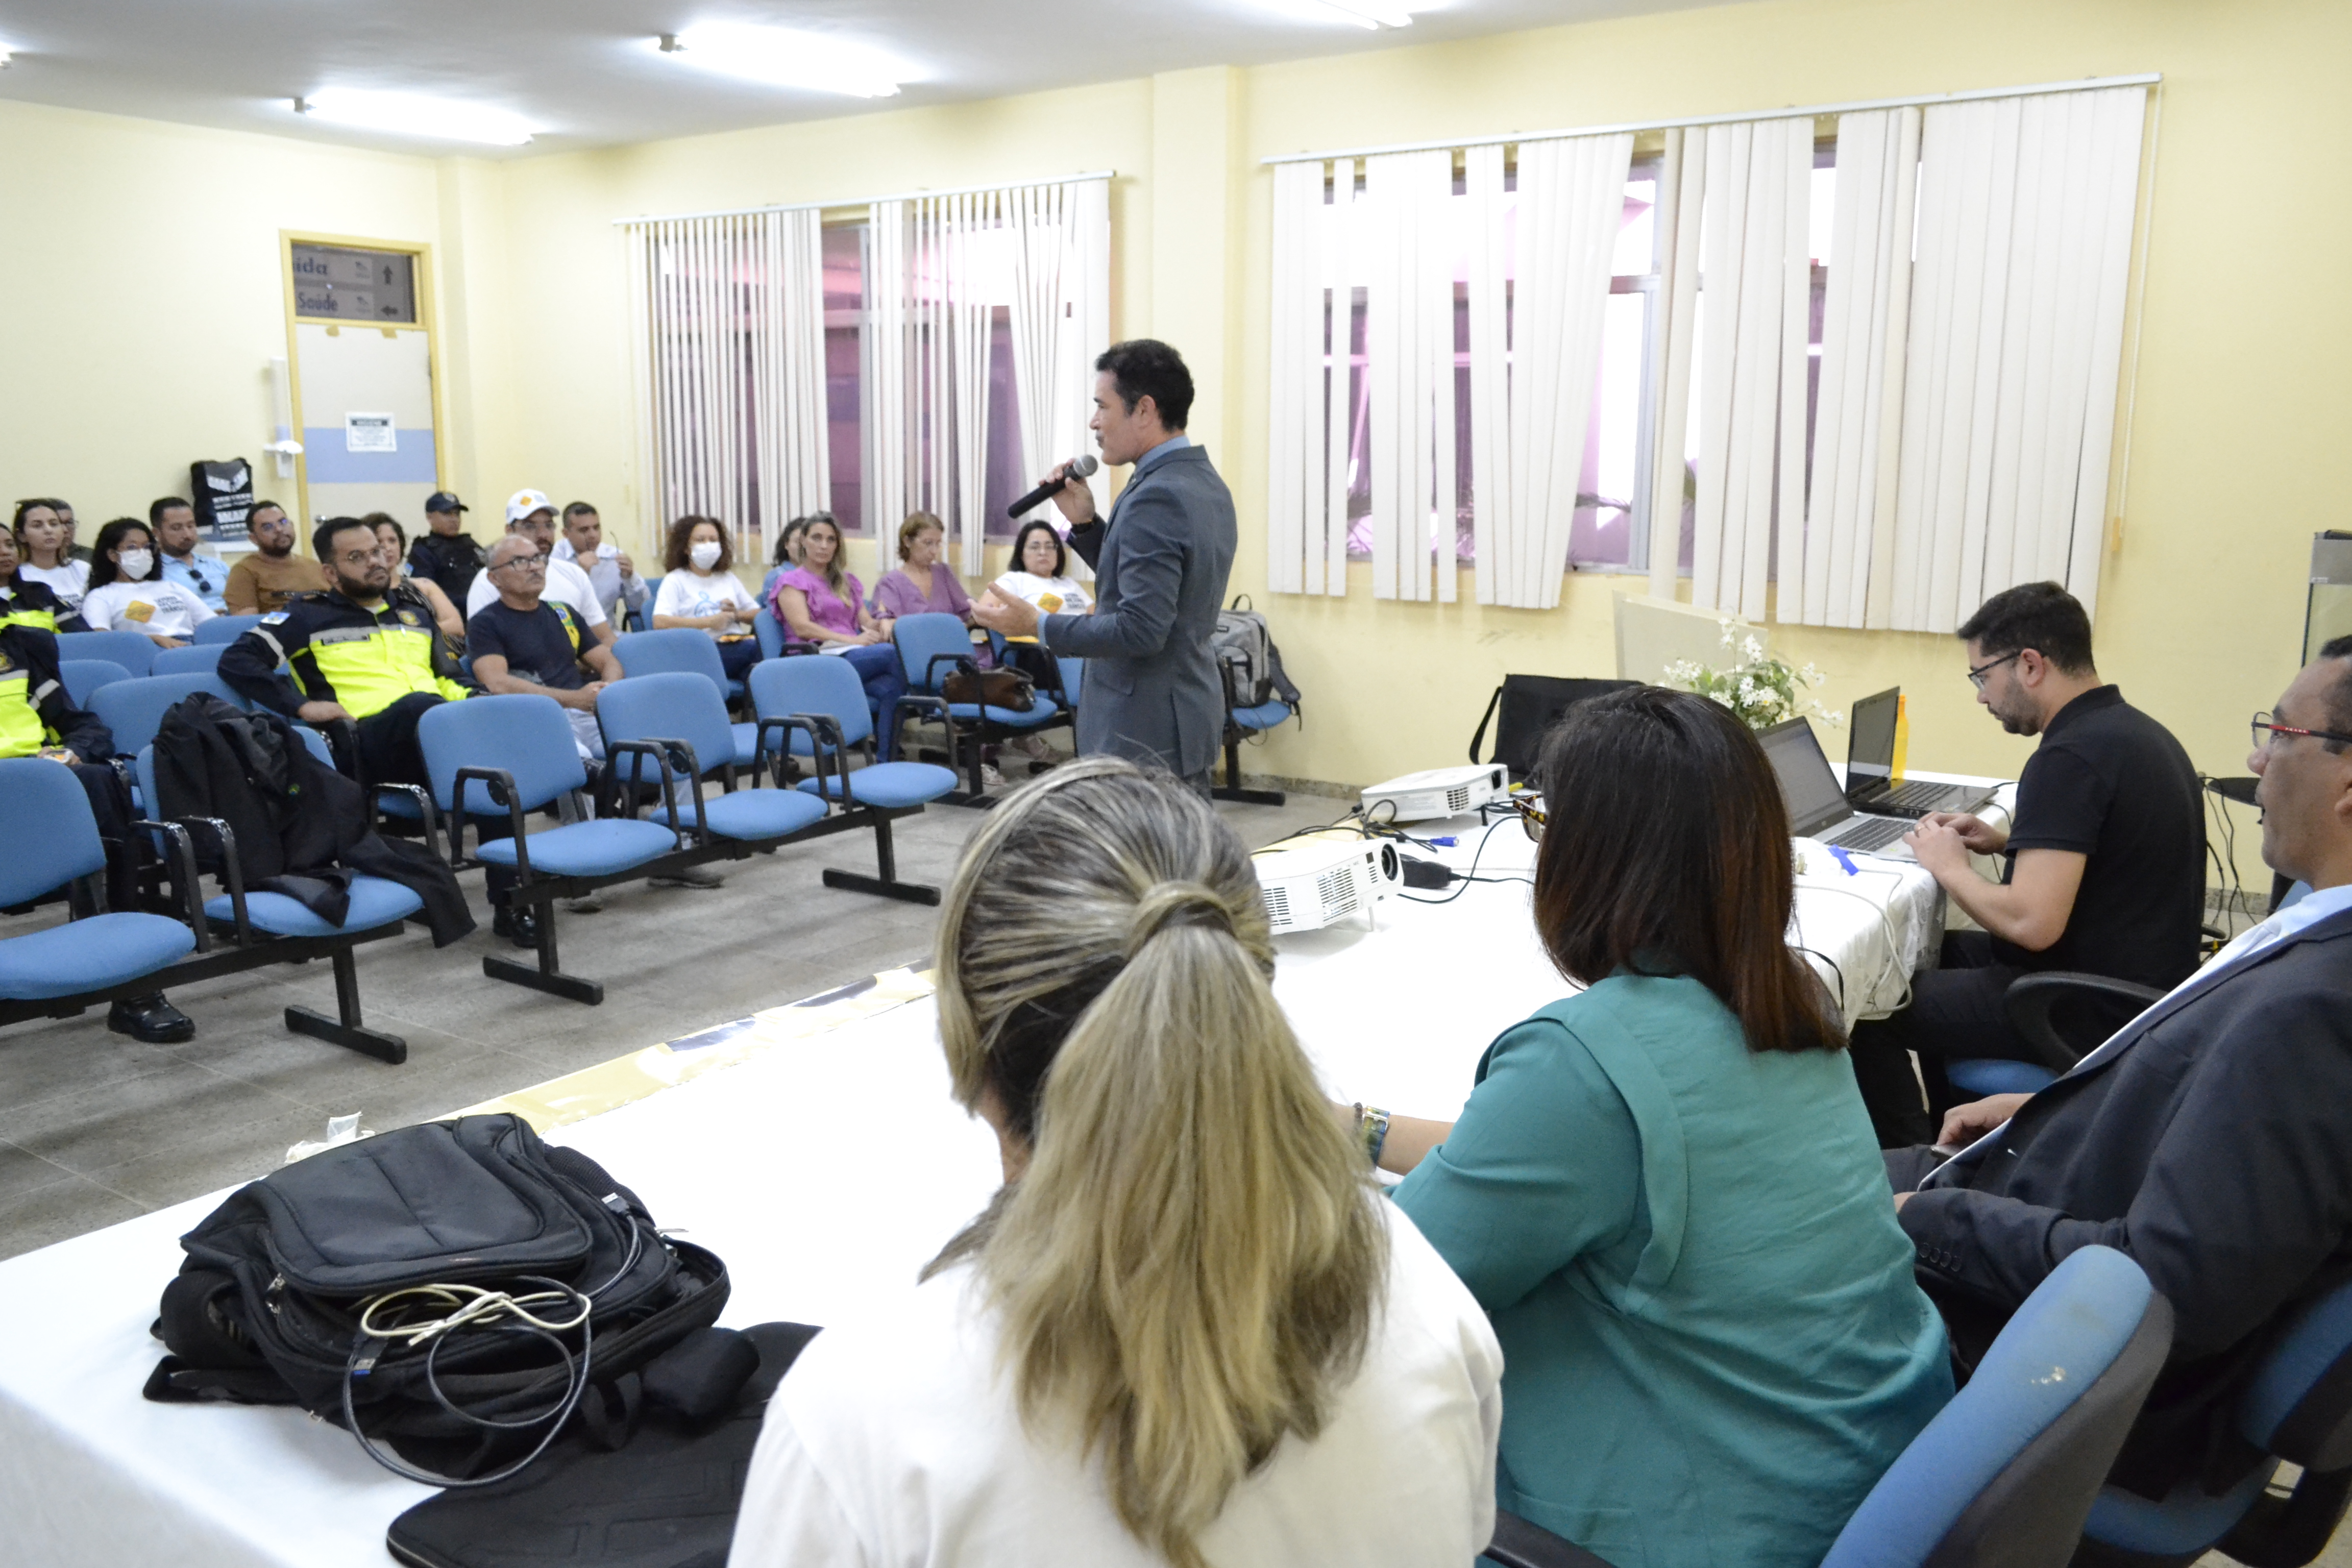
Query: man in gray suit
{"type": "Point", "coordinates": [1152, 691]}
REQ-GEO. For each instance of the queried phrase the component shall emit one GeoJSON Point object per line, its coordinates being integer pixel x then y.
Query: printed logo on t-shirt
{"type": "Point", "coordinates": [1049, 603]}
{"type": "Point", "coordinates": [138, 610]}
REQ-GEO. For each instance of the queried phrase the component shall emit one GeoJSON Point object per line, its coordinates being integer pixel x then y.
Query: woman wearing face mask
{"type": "Point", "coordinates": [23, 602]}
{"type": "Point", "coordinates": [42, 540]}
{"type": "Point", "coordinates": [128, 591]}
{"type": "Point", "coordinates": [699, 589]}
{"type": "Point", "coordinates": [818, 602]}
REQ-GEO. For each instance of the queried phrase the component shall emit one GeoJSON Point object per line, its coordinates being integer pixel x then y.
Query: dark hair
{"type": "Point", "coordinates": [380, 521]}
{"type": "Point", "coordinates": [675, 556]}
{"type": "Point", "coordinates": [1666, 852]}
{"type": "Point", "coordinates": [17, 524]}
{"type": "Point", "coordinates": [161, 504]}
{"type": "Point", "coordinates": [581, 508]}
{"type": "Point", "coordinates": [2038, 615]}
{"type": "Point", "coordinates": [1146, 367]}
{"type": "Point", "coordinates": [1021, 543]}
{"type": "Point", "coordinates": [796, 527]}
{"type": "Point", "coordinates": [912, 529]}
{"type": "Point", "coordinates": [323, 538]}
{"type": "Point", "coordinates": [261, 506]}
{"type": "Point", "coordinates": [103, 568]}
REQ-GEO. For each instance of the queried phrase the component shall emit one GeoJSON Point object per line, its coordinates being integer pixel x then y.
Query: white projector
{"type": "Point", "coordinates": [1310, 887]}
{"type": "Point", "coordinates": [1439, 792]}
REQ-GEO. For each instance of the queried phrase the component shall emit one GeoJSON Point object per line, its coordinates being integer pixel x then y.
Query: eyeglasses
{"type": "Point", "coordinates": [2266, 732]}
{"type": "Point", "coordinates": [527, 563]}
{"type": "Point", "coordinates": [1532, 815]}
{"type": "Point", "coordinates": [1976, 674]}
{"type": "Point", "coordinates": [357, 557]}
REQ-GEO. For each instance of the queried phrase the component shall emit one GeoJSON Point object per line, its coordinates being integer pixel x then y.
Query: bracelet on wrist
{"type": "Point", "coordinates": [1371, 1129]}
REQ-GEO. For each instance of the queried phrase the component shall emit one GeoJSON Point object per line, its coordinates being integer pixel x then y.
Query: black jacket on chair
{"type": "Point", "coordinates": [2214, 1147]}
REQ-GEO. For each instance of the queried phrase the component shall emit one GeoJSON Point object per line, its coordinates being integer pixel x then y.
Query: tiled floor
{"type": "Point", "coordinates": [95, 1127]}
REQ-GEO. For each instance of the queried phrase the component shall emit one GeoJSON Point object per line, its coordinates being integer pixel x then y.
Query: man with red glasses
{"type": "Point", "coordinates": [2104, 862]}
{"type": "Point", "coordinates": [2208, 1137]}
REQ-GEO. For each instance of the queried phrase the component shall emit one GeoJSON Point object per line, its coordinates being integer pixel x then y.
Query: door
{"type": "Point", "coordinates": [362, 380]}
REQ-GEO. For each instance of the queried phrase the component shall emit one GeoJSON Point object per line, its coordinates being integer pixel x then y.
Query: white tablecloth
{"type": "Point", "coordinates": [823, 1171]}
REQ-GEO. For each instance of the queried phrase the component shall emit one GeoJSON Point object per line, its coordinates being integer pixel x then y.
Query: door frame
{"type": "Point", "coordinates": [426, 293]}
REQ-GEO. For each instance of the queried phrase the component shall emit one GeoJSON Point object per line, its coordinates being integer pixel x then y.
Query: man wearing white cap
{"type": "Point", "coordinates": [530, 514]}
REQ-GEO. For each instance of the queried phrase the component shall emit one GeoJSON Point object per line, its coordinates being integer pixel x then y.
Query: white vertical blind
{"type": "Point", "coordinates": [1409, 373]}
{"type": "Point", "coordinates": [728, 357]}
{"type": "Point", "coordinates": [1682, 188]}
{"type": "Point", "coordinates": [2024, 236]}
{"type": "Point", "coordinates": [885, 453]}
{"type": "Point", "coordinates": [1488, 271]}
{"type": "Point", "coordinates": [1295, 467]}
{"type": "Point", "coordinates": [1756, 282]}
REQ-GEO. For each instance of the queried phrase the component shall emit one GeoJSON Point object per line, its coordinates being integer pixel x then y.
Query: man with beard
{"type": "Point", "coordinates": [351, 654]}
{"type": "Point", "coordinates": [2104, 862]}
{"type": "Point", "coordinates": [260, 584]}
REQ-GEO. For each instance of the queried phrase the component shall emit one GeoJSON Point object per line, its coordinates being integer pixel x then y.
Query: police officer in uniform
{"type": "Point", "coordinates": [38, 719]}
{"type": "Point", "coordinates": [447, 555]}
{"type": "Point", "coordinates": [357, 652]}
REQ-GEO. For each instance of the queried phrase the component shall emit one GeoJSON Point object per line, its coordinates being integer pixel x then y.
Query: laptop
{"type": "Point", "coordinates": [1817, 807]}
{"type": "Point", "coordinates": [1870, 783]}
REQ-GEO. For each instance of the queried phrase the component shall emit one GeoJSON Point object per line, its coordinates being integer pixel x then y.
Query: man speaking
{"type": "Point", "coordinates": [1152, 691]}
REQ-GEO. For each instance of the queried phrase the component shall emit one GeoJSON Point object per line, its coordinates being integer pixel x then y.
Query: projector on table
{"type": "Point", "coordinates": [1439, 792]}
{"type": "Point", "coordinates": [1321, 880]}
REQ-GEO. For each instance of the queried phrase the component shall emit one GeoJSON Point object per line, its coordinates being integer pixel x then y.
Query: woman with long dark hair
{"type": "Point", "coordinates": [127, 590]}
{"type": "Point", "coordinates": [1665, 1189]}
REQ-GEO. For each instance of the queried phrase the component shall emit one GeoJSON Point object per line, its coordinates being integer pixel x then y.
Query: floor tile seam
{"type": "Point", "coordinates": [65, 1172]}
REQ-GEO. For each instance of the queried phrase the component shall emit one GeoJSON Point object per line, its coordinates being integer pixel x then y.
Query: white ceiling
{"type": "Point", "coordinates": [586, 72]}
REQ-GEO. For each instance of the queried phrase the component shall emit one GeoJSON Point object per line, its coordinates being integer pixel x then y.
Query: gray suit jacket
{"type": "Point", "coordinates": [1152, 691]}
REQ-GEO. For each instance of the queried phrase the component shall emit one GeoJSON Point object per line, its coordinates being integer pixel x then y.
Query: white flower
{"type": "Point", "coordinates": [1752, 651]}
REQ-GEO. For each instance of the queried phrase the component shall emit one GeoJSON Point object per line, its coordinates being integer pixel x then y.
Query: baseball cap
{"type": "Point", "coordinates": [442, 500]}
{"type": "Point", "coordinates": [522, 504]}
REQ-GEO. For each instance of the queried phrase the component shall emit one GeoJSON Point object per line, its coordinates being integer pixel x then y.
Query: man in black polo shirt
{"type": "Point", "coordinates": [447, 554]}
{"type": "Point", "coordinates": [2106, 859]}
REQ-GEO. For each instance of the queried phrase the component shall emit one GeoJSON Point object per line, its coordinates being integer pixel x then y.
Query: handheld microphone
{"type": "Point", "coordinates": [1079, 469]}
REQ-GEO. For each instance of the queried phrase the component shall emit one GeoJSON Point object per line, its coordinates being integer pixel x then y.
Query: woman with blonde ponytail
{"type": "Point", "coordinates": [1187, 1330]}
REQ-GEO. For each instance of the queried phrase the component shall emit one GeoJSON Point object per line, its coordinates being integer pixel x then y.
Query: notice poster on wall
{"type": "Point", "coordinates": [370, 433]}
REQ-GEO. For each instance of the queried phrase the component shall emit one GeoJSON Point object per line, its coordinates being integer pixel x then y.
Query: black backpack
{"type": "Point", "coordinates": [269, 1305]}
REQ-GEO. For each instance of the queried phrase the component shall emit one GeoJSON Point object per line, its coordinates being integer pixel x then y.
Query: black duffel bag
{"type": "Point", "coordinates": [456, 1290]}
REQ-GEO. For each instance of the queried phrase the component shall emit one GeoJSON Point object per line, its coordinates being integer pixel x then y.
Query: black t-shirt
{"type": "Point", "coordinates": [450, 560]}
{"type": "Point", "coordinates": [2111, 782]}
{"type": "Point", "coordinates": [542, 646]}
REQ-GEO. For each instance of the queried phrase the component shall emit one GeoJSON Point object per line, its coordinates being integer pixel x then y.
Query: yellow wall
{"type": "Point", "coordinates": [2239, 396]}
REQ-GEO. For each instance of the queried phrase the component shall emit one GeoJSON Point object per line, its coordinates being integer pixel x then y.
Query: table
{"type": "Point", "coordinates": [818, 1217]}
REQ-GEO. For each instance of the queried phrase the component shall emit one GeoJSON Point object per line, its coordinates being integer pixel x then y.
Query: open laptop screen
{"type": "Point", "coordinates": [1807, 784]}
{"type": "Point", "coordinates": [1870, 755]}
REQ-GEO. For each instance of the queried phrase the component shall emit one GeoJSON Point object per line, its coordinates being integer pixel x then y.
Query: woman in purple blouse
{"type": "Point", "coordinates": [922, 584]}
{"type": "Point", "coordinates": [818, 602]}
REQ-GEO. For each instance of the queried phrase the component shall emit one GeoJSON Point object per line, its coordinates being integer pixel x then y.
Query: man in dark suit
{"type": "Point", "coordinates": [2211, 1138]}
{"type": "Point", "coordinates": [1153, 694]}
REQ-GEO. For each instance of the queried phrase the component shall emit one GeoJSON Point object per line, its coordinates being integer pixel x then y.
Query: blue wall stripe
{"type": "Point", "coordinates": [328, 462]}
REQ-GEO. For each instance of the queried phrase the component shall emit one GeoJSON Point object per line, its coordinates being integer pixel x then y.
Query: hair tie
{"type": "Point", "coordinates": [1171, 905]}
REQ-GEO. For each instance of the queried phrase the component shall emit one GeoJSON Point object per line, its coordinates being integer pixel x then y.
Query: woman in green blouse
{"type": "Point", "coordinates": [1665, 1189]}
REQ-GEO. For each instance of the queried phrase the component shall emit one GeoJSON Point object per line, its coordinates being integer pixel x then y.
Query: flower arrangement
{"type": "Point", "coordinates": [1761, 689]}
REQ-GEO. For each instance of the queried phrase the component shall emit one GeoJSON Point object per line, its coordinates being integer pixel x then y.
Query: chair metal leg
{"type": "Point", "coordinates": [347, 1030]}
{"type": "Point", "coordinates": [976, 796]}
{"type": "Point", "coordinates": [886, 885]}
{"type": "Point", "coordinates": [546, 976]}
{"type": "Point", "coordinates": [1231, 788]}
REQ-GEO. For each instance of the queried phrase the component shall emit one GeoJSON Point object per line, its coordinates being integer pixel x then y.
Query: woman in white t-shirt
{"type": "Point", "coordinates": [1043, 578]}
{"type": "Point", "coordinates": [1188, 1330]}
{"type": "Point", "coordinates": [43, 542]}
{"type": "Point", "coordinates": [699, 589]}
{"type": "Point", "coordinates": [128, 591]}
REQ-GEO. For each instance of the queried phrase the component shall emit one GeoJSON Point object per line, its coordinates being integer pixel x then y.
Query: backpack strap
{"type": "Point", "coordinates": [1480, 738]}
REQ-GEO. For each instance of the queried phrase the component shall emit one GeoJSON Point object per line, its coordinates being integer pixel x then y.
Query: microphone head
{"type": "Point", "coordinates": [1084, 465]}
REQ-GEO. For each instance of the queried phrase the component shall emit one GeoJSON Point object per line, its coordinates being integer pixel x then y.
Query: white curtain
{"type": "Point", "coordinates": [1410, 256]}
{"type": "Point", "coordinates": [1060, 289]}
{"type": "Point", "coordinates": [883, 387]}
{"type": "Point", "coordinates": [1754, 291]}
{"type": "Point", "coordinates": [1849, 530]}
{"type": "Point", "coordinates": [728, 357]}
{"type": "Point", "coordinates": [2026, 209]}
{"type": "Point", "coordinates": [1306, 547]}
{"type": "Point", "coordinates": [1681, 210]}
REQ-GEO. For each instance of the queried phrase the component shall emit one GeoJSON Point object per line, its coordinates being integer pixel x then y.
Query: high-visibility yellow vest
{"type": "Point", "coordinates": [374, 665]}
{"type": "Point", "coordinates": [21, 732]}
{"type": "Point", "coordinates": [15, 611]}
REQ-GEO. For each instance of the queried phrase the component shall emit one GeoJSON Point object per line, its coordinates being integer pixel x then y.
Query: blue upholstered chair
{"type": "Point", "coordinates": [48, 839]}
{"type": "Point", "coordinates": [683, 711]}
{"type": "Point", "coordinates": [1242, 722]}
{"type": "Point", "coordinates": [224, 629]}
{"type": "Point", "coordinates": [274, 928]}
{"type": "Point", "coordinates": [2030, 1002]}
{"type": "Point", "coordinates": [2006, 1472]}
{"type": "Point", "coordinates": [816, 706]}
{"type": "Point", "coordinates": [774, 641]}
{"type": "Point", "coordinates": [84, 676]}
{"type": "Point", "coordinates": [132, 710]}
{"type": "Point", "coordinates": [132, 650]}
{"type": "Point", "coordinates": [196, 658]}
{"type": "Point", "coordinates": [684, 648]}
{"type": "Point", "coordinates": [508, 756]}
{"type": "Point", "coordinates": [933, 647]}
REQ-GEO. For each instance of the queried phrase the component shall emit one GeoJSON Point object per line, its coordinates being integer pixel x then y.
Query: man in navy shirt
{"type": "Point", "coordinates": [522, 642]}
{"type": "Point", "coordinates": [2105, 856]}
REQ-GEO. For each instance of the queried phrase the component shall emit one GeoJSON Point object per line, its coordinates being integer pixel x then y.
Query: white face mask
{"type": "Point", "coordinates": [704, 555]}
{"type": "Point", "coordinates": [136, 564]}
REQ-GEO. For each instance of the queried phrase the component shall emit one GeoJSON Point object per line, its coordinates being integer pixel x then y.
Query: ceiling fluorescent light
{"type": "Point", "coordinates": [779, 58]}
{"type": "Point", "coordinates": [439, 118]}
{"type": "Point", "coordinates": [1370, 13]}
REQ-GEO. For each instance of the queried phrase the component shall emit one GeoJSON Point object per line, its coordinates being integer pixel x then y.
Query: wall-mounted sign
{"type": "Point", "coordinates": [343, 283]}
{"type": "Point", "coordinates": [370, 433]}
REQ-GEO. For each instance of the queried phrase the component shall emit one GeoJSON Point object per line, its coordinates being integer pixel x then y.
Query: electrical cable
{"type": "Point", "coordinates": [1466, 878]}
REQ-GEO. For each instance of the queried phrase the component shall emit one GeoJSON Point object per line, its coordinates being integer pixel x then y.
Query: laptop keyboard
{"type": "Point", "coordinates": [1868, 833]}
{"type": "Point", "coordinates": [1923, 796]}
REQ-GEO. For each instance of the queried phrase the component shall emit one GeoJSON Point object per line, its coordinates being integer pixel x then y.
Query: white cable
{"type": "Point", "coordinates": [475, 1308]}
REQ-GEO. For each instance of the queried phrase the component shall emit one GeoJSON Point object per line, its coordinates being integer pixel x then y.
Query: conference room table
{"type": "Point", "coordinates": [815, 1148]}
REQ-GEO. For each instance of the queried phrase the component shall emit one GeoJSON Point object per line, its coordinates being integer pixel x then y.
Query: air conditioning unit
{"type": "Point", "coordinates": [1438, 792]}
{"type": "Point", "coordinates": [1322, 880]}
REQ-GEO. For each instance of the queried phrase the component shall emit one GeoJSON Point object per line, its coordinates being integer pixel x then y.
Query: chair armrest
{"type": "Point", "coordinates": [232, 872]}
{"type": "Point", "coordinates": [823, 733]}
{"type": "Point", "coordinates": [192, 893]}
{"type": "Point", "coordinates": [923, 699]}
{"type": "Point", "coordinates": [431, 813]}
{"type": "Point", "coordinates": [343, 741]}
{"type": "Point", "coordinates": [661, 751]}
{"type": "Point", "coordinates": [1519, 1545]}
{"type": "Point", "coordinates": [502, 786]}
{"type": "Point", "coordinates": [962, 661]}
{"type": "Point", "coordinates": [794, 646]}
{"type": "Point", "coordinates": [2030, 998]}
